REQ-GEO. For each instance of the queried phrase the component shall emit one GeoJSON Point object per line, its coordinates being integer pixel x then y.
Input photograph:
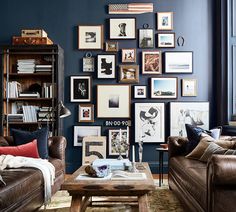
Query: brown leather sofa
{"type": "Point", "coordinates": [25, 186]}
{"type": "Point", "coordinates": [202, 186]}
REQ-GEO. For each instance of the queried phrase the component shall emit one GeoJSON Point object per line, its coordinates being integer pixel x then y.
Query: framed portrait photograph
{"type": "Point", "coordinates": [106, 66]}
{"type": "Point", "coordinates": [194, 113]}
{"type": "Point", "coordinates": [80, 88]}
{"type": "Point", "coordinates": [122, 28]}
{"type": "Point", "coordinates": [179, 62]}
{"type": "Point", "coordinates": [129, 73]}
{"type": "Point", "coordinates": [118, 141]}
{"type": "Point", "coordinates": [111, 46]}
{"type": "Point", "coordinates": [86, 113]}
{"type": "Point", "coordinates": [150, 122]}
{"type": "Point", "coordinates": [113, 101]}
{"type": "Point", "coordinates": [146, 38]}
{"type": "Point", "coordinates": [151, 62]}
{"type": "Point", "coordinates": [166, 40]}
{"type": "Point", "coordinates": [140, 91]}
{"type": "Point", "coordinates": [90, 37]}
{"type": "Point", "coordinates": [164, 87]}
{"type": "Point", "coordinates": [82, 131]}
{"type": "Point", "coordinates": [189, 87]}
{"type": "Point", "coordinates": [128, 55]}
{"type": "Point", "coordinates": [165, 21]}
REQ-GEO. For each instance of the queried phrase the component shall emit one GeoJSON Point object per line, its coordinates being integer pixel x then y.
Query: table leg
{"type": "Point", "coordinates": [76, 203]}
{"type": "Point", "coordinates": [143, 203]}
{"type": "Point", "coordinates": [162, 166]}
{"type": "Point", "coordinates": [159, 169]}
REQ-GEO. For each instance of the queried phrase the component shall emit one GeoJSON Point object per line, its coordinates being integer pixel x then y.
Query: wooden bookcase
{"type": "Point", "coordinates": [52, 55]}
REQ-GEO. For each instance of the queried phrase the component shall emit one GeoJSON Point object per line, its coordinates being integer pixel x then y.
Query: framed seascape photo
{"type": "Point", "coordinates": [165, 21]}
{"type": "Point", "coordinates": [194, 113]}
{"type": "Point", "coordinates": [86, 113]}
{"type": "Point", "coordinates": [106, 66]}
{"type": "Point", "coordinates": [90, 37]}
{"type": "Point", "coordinates": [140, 91]}
{"type": "Point", "coordinates": [164, 87]}
{"type": "Point", "coordinates": [111, 46]}
{"type": "Point", "coordinates": [128, 55]}
{"type": "Point", "coordinates": [179, 62]}
{"type": "Point", "coordinates": [166, 40]}
{"type": "Point", "coordinates": [189, 87]}
{"type": "Point", "coordinates": [150, 122]}
{"type": "Point", "coordinates": [113, 101]}
{"type": "Point", "coordinates": [82, 131]}
{"type": "Point", "coordinates": [129, 73]}
{"type": "Point", "coordinates": [151, 62]}
{"type": "Point", "coordinates": [122, 28]}
{"type": "Point", "coordinates": [80, 88]}
{"type": "Point", "coordinates": [146, 38]}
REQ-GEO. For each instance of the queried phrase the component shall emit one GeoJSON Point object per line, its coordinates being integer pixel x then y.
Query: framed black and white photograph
{"type": "Point", "coordinates": [150, 122]}
{"type": "Point", "coordinates": [113, 101]}
{"type": "Point", "coordinates": [140, 91]}
{"type": "Point", "coordinates": [164, 87]}
{"type": "Point", "coordinates": [86, 113]}
{"type": "Point", "coordinates": [179, 62]}
{"type": "Point", "coordinates": [80, 88]}
{"type": "Point", "coordinates": [106, 66]}
{"type": "Point", "coordinates": [146, 38]}
{"type": "Point", "coordinates": [82, 131]}
{"type": "Point", "coordinates": [122, 28]}
{"type": "Point", "coordinates": [151, 62]}
{"type": "Point", "coordinates": [129, 73]}
{"type": "Point", "coordinates": [189, 87]}
{"type": "Point", "coordinates": [128, 55]}
{"type": "Point", "coordinates": [111, 46]}
{"type": "Point", "coordinates": [166, 40]}
{"type": "Point", "coordinates": [88, 62]}
{"type": "Point", "coordinates": [194, 113]}
{"type": "Point", "coordinates": [90, 37]}
{"type": "Point", "coordinates": [165, 21]}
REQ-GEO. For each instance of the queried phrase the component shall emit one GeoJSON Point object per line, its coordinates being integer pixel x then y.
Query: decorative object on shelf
{"type": "Point", "coordinates": [88, 62]}
{"type": "Point", "coordinates": [165, 21]}
{"type": "Point", "coordinates": [180, 41]}
{"type": "Point", "coordinates": [111, 46]}
{"type": "Point", "coordinates": [140, 91]}
{"type": "Point", "coordinates": [129, 73]}
{"type": "Point", "coordinates": [122, 28]}
{"type": "Point", "coordinates": [90, 37]}
{"type": "Point", "coordinates": [113, 101]}
{"type": "Point", "coordinates": [194, 113]}
{"type": "Point", "coordinates": [189, 87]}
{"type": "Point", "coordinates": [106, 66]}
{"type": "Point", "coordinates": [151, 62]}
{"type": "Point", "coordinates": [164, 87]}
{"type": "Point", "coordinates": [140, 150]}
{"type": "Point", "coordinates": [131, 8]}
{"type": "Point", "coordinates": [128, 55]}
{"type": "Point", "coordinates": [16, 40]}
{"type": "Point", "coordinates": [146, 37]}
{"type": "Point", "coordinates": [149, 122]}
{"type": "Point", "coordinates": [179, 62]}
{"type": "Point", "coordinates": [166, 40]}
{"type": "Point", "coordinates": [80, 88]}
{"type": "Point", "coordinates": [86, 112]}
{"type": "Point", "coordinates": [33, 33]}
{"type": "Point", "coordinates": [82, 131]}
{"type": "Point", "coordinates": [133, 168]}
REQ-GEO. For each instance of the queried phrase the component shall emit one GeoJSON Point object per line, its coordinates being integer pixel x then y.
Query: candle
{"type": "Point", "coordinates": [133, 154]}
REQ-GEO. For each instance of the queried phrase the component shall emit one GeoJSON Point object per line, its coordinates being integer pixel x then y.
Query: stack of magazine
{"type": "Point", "coordinates": [26, 66]}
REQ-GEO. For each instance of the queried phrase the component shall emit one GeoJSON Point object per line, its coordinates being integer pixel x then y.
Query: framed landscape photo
{"type": "Point", "coordinates": [80, 88]}
{"type": "Point", "coordinates": [151, 62]}
{"type": "Point", "coordinates": [165, 21]}
{"type": "Point", "coordinates": [166, 40]}
{"type": "Point", "coordinates": [164, 87]}
{"type": "Point", "coordinates": [128, 55]}
{"type": "Point", "coordinates": [146, 38]}
{"type": "Point", "coordinates": [111, 46]}
{"type": "Point", "coordinates": [189, 87]}
{"type": "Point", "coordinates": [150, 122]}
{"type": "Point", "coordinates": [106, 66]}
{"type": "Point", "coordinates": [90, 37]}
{"type": "Point", "coordinates": [179, 62]}
{"type": "Point", "coordinates": [86, 113]}
{"type": "Point", "coordinates": [140, 91]}
{"type": "Point", "coordinates": [122, 28]}
{"type": "Point", "coordinates": [113, 101]}
{"type": "Point", "coordinates": [194, 113]}
{"type": "Point", "coordinates": [129, 73]}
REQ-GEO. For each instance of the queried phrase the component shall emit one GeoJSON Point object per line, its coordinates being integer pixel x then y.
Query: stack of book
{"type": "Point", "coordinates": [15, 117]}
{"type": "Point", "coordinates": [30, 113]}
{"type": "Point", "coordinates": [13, 90]}
{"type": "Point", "coordinates": [26, 66]}
{"type": "Point", "coordinates": [29, 94]}
{"type": "Point", "coordinates": [43, 68]}
{"type": "Point", "coordinates": [45, 114]}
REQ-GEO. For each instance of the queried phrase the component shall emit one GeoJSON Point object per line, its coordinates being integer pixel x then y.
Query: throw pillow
{"type": "Point", "coordinates": [27, 150]}
{"type": "Point", "coordinates": [216, 132]}
{"type": "Point", "coordinates": [41, 135]}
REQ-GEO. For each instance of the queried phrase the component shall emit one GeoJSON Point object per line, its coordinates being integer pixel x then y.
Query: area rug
{"type": "Point", "coordinates": [162, 199]}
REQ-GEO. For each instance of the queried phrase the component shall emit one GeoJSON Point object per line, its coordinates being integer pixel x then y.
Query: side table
{"type": "Point", "coordinates": [161, 153]}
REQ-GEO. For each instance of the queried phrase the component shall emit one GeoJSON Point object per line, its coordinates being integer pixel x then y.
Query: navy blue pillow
{"type": "Point", "coordinates": [22, 137]}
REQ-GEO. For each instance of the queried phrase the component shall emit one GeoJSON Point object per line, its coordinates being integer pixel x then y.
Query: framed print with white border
{"type": "Point", "coordinates": [165, 21]}
{"type": "Point", "coordinates": [140, 91]}
{"type": "Point", "coordinates": [146, 38]}
{"type": "Point", "coordinates": [106, 66]}
{"type": "Point", "coordinates": [189, 87]}
{"type": "Point", "coordinates": [166, 40]}
{"type": "Point", "coordinates": [86, 113]}
{"type": "Point", "coordinates": [151, 62]}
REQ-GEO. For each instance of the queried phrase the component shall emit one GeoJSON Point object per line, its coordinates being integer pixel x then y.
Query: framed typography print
{"type": "Point", "coordinates": [140, 91]}
{"type": "Point", "coordinates": [113, 101]}
{"type": "Point", "coordinates": [151, 62]}
{"type": "Point", "coordinates": [189, 87]}
{"type": "Point", "coordinates": [106, 66]}
{"type": "Point", "coordinates": [128, 55]}
{"type": "Point", "coordinates": [129, 73]}
{"type": "Point", "coordinates": [146, 38]}
{"type": "Point", "coordinates": [149, 122]}
{"type": "Point", "coordinates": [86, 113]}
{"type": "Point", "coordinates": [165, 21]}
{"type": "Point", "coordinates": [166, 40]}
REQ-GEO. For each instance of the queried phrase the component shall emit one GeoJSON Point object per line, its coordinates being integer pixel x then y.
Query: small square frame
{"type": "Point", "coordinates": [165, 21]}
{"type": "Point", "coordinates": [86, 113]}
{"type": "Point", "coordinates": [111, 46]}
{"type": "Point", "coordinates": [140, 91]}
{"type": "Point", "coordinates": [129, 73]}
{"type": "Point", "coordinates": [189, 87]}
{"type": "Point", "coordinates": [166, 40]}
{"type": "Point", "coordinates": [128, 55]}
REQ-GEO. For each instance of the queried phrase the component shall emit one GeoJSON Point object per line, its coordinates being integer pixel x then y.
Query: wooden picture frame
{"type": "Point", "coordinates": [128, 55]}
{"type": "Point", "coordinates": [86, 113]}
{"type": "Point", "coordinates": [189, 87]}
{"type": "Point", "coordinates": [166, 40]}
{"type": "Point", "coordinates": [111, 46]}
{"type": "Point", "coordinates": [140, 91]}
{"type": "Point", "coordinates": [129, 73]}
{"type": "Point", "coordinates": [146, 38]}
{"type": "Point", "coordinates": [151, 62]}
{"type": "Point", "coordinates": [106, 66]}
{"type": "Point", "coordinates": [165, 21]}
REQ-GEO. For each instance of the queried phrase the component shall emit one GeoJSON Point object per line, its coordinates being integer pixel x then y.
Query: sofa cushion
{"type": "Point", "coordinates": [3, 141]}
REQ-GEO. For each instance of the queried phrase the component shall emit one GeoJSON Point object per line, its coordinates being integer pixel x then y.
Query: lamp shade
{"type": "Point", "coordinates": [63, 111]}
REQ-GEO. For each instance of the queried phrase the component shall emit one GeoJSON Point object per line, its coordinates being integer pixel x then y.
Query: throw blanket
{"type": "Point", "coordinates": [47, 169]}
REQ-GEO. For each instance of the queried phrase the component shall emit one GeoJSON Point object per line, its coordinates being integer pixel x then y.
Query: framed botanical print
{"type": "Point", "coordinates": [129, 73]}
{"type": "Point", "coordinates": [106, 66]}
{"type": "Point", "coordinates": [165, 21]}
{"type": "Point", "coordinates": [189, 87]}
{"type": "Point", "coordinates": [166, 40]}
{"type": "Point", "coordinates": [140, 91]}
{"type": "Point", "coordinates": [86, 113]}
{"type": "Point", "coordinates": [80, 88]}
{"type": "Point", "coordinates": [90, 37]}
{"type": "Point", "coordinates": [111, 46]}
{"type": "Point", "coordinates": [150, 122]}
{"type": "Point", "coordinates": [113, 101]}
{"type": "Point", "coordinates": [128, 55]}
{"type": "Point", "coordinates": [146, 38]}
{"type": "Point", "coordinates": [151, 62]}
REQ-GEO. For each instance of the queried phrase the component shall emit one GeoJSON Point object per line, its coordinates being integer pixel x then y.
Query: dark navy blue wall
{"type": "Point", "coordinates": [59, 18]}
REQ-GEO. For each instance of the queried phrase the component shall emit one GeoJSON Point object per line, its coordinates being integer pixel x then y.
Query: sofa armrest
{"type": "Point", "coordinates": [176, 145]}
{"type": "Point", "coordinates": [57, 146]}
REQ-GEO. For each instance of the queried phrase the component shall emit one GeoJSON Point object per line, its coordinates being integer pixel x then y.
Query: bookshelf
{"type": "Point", "coordinates": [32, 80]}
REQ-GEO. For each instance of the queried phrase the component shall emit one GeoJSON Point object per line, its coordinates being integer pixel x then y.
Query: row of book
{"type": "Point", "coordinates": [47, 90]}
{"type": "Point", "coordinates": [14, 89]}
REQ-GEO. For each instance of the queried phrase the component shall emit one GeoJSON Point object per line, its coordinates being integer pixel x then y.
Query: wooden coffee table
{"type": "Point", "coordinates": [82, 190]}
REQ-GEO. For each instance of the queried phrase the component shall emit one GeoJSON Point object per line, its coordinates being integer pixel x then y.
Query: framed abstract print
{"type": "Point", "coordinates": [189, 87]}
{"type": "Point", "coordinates": [106, 66]}
{"type": "Point", "coordinates": [151, 62]}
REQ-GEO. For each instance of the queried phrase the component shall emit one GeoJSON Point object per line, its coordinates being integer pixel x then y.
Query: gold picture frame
{"type": "Point", "coordinates": [86, 113]}
{"type": "Point", "coordinates": [129, 73]}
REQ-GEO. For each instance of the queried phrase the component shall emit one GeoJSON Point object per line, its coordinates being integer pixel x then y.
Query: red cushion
{"type": "Point", "coordinates": [27, 150]}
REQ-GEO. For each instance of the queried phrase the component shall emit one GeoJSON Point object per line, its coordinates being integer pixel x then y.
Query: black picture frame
{"type": "Point", "coordinates": [146, 38]}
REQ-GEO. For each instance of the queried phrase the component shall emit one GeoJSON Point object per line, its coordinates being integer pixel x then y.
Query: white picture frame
{"type": "Point", "coordinates": [106, 66]}
{"type": "Point", "coordinates": [165, 21]}
{"type": "Point", "coordinates": [189, 87]}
